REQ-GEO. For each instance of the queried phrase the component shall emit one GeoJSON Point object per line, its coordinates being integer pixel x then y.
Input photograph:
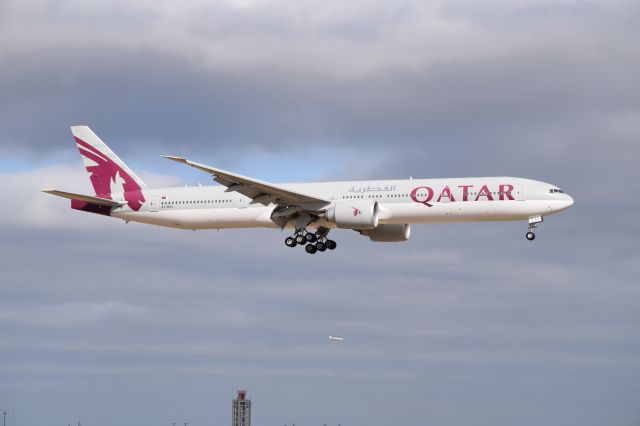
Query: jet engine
{"type": "Point", "coordinates": [358, 214]}
{"type": "Point", "coordinates": [388, 233]}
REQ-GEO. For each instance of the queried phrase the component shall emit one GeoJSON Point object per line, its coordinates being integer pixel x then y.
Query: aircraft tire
{"type": "Point", "coordinates": [321, 246]}
{"type": "Point", "coordinates": [291, 242]}
{"type": "Point", "coordinates": [300, 239]}
{"type": "Point", "coordinates": [331, 245]}
{"type": "Point", "coordinates": [310, 248]}
{"type": "Point", "coordinates": [531, 236]}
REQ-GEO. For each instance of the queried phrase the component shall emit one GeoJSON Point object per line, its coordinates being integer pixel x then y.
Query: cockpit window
{"type": "Point", "coordinates": [556, 191]}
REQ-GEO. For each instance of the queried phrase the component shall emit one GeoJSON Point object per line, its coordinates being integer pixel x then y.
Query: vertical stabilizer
{"type": "Point", "coordinates": [108, 173]}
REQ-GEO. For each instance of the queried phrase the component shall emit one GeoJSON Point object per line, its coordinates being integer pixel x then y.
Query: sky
{"type": "Point", "coordinates": [105, 322]}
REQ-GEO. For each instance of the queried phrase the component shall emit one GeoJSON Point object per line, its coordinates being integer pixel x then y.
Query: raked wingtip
{"type": "Point", "coordinates": [174, 158]}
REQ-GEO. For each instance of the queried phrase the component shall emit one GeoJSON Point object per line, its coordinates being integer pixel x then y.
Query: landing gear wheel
{"type": "Point", "coordinates": [531, 236]}
{"type": "Point", "coordinates": [300, 239]}
{"type": "Point", "coordinates": [291, 242]}
{"type": "Point", "coordinates": [331, 245]}
{"type": "Point", "coordinates": [311, 238]}
{"type": "Point", "coordinates": [321, 246]}
{"type": "Point", "coordinates": [310, 248]}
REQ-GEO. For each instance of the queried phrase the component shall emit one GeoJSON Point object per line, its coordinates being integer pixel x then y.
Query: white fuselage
{"type": "Point", "coordinates": [400, 202]}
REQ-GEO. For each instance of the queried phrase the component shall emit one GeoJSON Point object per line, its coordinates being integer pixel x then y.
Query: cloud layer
{"type": "Point", "coordinates": [105, 322]}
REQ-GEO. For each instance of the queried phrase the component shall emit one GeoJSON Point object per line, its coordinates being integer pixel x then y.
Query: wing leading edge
{"type": "Point", "coordinates": [259, 191]}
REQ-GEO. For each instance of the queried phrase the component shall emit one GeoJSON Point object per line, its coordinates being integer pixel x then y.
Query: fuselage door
{"type": "Point", "coordinates": [242, 201]}
{"type": "Point", "coordinates": [521, 193]}
{"type": "Point", "coordinates": [153, 204]}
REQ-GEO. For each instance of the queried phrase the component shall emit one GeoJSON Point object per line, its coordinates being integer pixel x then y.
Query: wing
{"type": "Point", "coordinates": [87, 198]}
{"type": "Point", "coordinates": [260, 192]}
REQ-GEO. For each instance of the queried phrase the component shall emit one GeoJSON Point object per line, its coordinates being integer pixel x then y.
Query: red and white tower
{"type": "Point", "coordinates": [241, 414]}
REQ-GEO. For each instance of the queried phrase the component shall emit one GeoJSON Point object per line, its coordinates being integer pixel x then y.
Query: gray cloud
{"type": "Point", "coordinates": [460, 314]}
{"type": "Point", "coordinates": [177, 90]}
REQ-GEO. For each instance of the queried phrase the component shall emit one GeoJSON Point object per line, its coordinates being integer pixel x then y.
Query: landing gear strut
{"type": "Point", "coordinates": [533, 221]}
{"type": "Point", "coordinates": [312, 242]}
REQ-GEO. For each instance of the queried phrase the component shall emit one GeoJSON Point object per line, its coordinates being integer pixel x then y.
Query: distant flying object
{"type": "Point", "coordinates": [336, 338]}
{"type": "Point", "coordinates": [382, 210]}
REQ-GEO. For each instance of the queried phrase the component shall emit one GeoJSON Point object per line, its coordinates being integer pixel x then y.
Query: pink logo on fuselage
{"type": "Point", "coordinates": [106, 172]}
{"type": "Point", "coordinates": [356, 211]}
{"type": "Point", "coordinates": [425, 194]}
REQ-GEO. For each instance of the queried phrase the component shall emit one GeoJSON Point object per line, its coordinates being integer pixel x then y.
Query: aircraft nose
{"type": "Point", "coordinates": [569, 201]}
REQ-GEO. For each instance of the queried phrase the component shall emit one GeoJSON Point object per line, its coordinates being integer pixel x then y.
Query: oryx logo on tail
{"type": "Point", "coordinates": [107, 172]}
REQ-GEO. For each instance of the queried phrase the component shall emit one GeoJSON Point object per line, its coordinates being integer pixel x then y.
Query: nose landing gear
{"type": "Point", "coordinates": [312, 242]}
{"type": "Point", "coordinates": [533, 221]}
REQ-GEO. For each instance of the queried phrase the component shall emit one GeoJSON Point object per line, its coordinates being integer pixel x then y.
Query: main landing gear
{"type": "Point", "coordinates": [533, 221]}
{"type": "Point", "coordinates": [313, 242]}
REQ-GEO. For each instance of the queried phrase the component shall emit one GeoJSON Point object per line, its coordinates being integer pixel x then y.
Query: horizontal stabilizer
{"type": "Point", "coordinates": [86, 198]}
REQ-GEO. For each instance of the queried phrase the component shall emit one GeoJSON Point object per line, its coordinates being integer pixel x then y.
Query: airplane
{"type": "Point", "coordinates": [382, 210]}
{"type": "Point", "coordinates": [339, 339]}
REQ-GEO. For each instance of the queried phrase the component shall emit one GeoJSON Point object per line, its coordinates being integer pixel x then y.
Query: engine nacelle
{"type": "Point", "coordinates": [359, 214]}
{"type": "Point", "coordinates": [388, 233]}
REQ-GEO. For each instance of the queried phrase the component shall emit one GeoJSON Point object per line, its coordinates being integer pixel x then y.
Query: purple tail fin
{"type": "Point", "coordinates": [107, 172]}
